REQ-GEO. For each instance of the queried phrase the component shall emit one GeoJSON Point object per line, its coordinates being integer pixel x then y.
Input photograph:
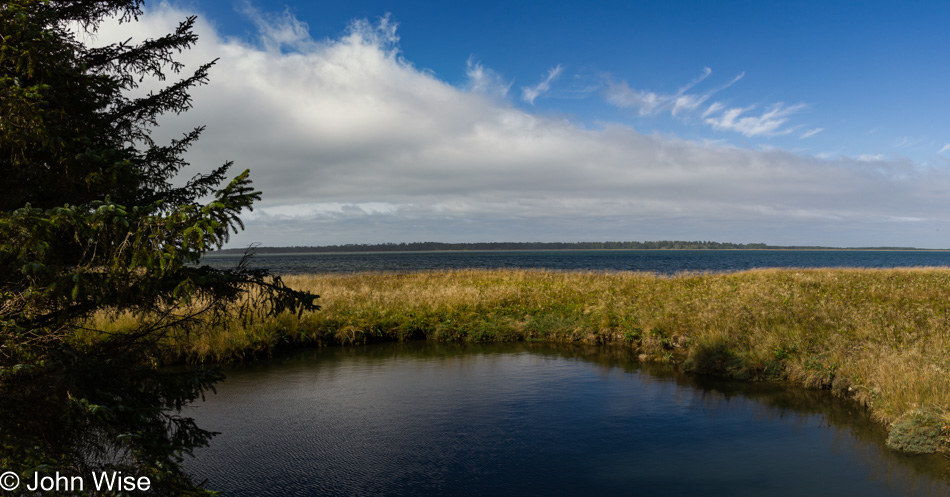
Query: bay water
{"type": "Point", "coordinates": [659, 261]}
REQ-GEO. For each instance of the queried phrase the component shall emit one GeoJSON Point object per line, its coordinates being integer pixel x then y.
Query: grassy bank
{"type": "Point", "coordinates": [880, 337]}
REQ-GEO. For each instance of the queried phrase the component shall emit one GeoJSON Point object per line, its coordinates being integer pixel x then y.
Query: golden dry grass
{"type": "Point", "coordinates": [880, 337]}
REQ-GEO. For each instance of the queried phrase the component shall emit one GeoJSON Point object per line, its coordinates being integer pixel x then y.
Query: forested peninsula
{"type": "Point", "coordinates": [439, 246]}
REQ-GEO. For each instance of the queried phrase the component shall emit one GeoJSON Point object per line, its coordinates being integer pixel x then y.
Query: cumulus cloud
{"type": "Point", "coordinates": [351, 143]}
{"type": "Point", "coordinates": [530, 93]}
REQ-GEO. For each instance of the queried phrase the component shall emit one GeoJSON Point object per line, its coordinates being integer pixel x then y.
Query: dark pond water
{"type": "Point", "coordinates": [527, 419]}
{"type": "Point", "coordinates": [661, 261]}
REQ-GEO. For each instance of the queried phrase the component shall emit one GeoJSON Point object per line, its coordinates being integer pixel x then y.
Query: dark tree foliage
{"type": "Point", "coordinates": [90, 221]}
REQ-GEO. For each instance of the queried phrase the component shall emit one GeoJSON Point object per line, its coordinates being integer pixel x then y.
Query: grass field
{"type": "Point", "coordinates": [879, 337]}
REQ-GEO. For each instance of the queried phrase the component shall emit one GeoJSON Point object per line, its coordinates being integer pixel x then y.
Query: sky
{"type": "Point", "coordinates": [787, 123]}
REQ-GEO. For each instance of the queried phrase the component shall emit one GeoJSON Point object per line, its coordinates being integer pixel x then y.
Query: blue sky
{"type": "Point", "coordinates": [777, 122]}
{"type": "Point", "coordinates": [869, 75]}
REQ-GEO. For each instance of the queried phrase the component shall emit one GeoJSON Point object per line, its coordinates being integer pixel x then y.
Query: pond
{"type": "Point", "coordinates": [423, 418]}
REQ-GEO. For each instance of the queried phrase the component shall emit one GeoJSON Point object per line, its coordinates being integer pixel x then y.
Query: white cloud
{"type": "Point", "coordinates": [684, 104]}
{"type": "Point", "coordinates": [279, 30]}
{"type": "Point", "coordinates": [530, 93]}
{"type": "Point", "coordinates": [646, 102]}
{"type": "Point", "coordinates": [649, 103]}
{"type": "Point", "coordinates": [323, 210]}
{"type": "Point", "coordinates": [870, 158]}
{"type": "Point", "coordinates": [484, 80]}
{"type": "Point", "coordinates": [906, 142]}
{"type": "Point", "coordinates": [769, 123]}
{"type": "Point", "coordinates": [683, 101]}
{"type": "Point", "coordinates": [713, 108]}
{"type": "Point", "coordinates": [351, 143]}
{"type": "Point", "coordinates": [946, 148]}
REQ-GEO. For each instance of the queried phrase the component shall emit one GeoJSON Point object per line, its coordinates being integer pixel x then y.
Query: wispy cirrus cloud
{"type": "Point", "coordinates": [907, 141]}
{"type": "Point", "coordinates": [650, 103]}
{"type": "Point", "coordinates": [484, 80]}
{"type": "Point", "coordinates": [770, 122]}
{"type": "Point", "coordinates": [685, 103]}
{"type": "Point", "coordinates": [530, 93]}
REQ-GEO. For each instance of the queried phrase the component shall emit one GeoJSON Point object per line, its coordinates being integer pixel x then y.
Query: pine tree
{"type": "Point", "coordinates": [91, 222]}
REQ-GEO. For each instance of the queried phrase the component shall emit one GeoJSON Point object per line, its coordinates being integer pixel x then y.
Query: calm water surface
{"type": "Point", "coordinates": [661, 261]}
{"type": "Point", "coordinates": [525, 419]}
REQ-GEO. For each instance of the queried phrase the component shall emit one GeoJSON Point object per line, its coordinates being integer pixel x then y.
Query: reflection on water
{"type": "Point", "coordinates": [526, 419]}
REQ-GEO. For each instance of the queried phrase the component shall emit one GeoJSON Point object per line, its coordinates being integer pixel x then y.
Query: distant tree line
{"type": "Point", "coordinates": [437, 246]}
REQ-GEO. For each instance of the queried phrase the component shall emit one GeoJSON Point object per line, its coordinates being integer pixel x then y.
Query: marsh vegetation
{"type": "Point", "coordinates": [878, 337]}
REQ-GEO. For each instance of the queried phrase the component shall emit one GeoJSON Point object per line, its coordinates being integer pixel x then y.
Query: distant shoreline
{"type": "Point", "coordinates": [528, 246]}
